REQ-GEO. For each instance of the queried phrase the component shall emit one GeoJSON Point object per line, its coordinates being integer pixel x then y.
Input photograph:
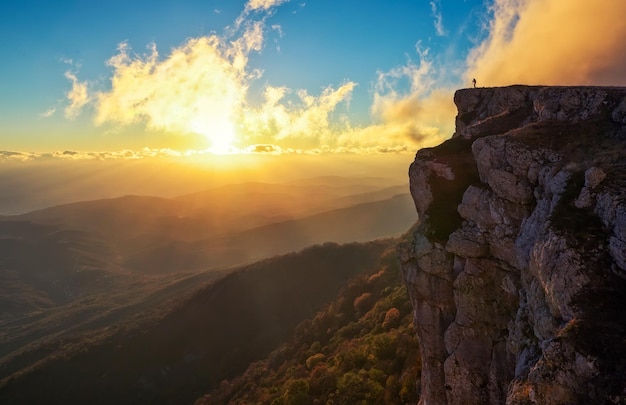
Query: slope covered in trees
{"type": "Point", "coordinates": [361, 349]}
{"type": "Point", "coordinates": [175, 354]}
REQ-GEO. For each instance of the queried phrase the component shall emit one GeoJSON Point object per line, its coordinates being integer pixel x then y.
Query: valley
{"type": "Point", "coordinates": [135, 277]}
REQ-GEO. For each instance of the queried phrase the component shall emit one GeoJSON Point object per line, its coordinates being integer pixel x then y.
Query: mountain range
{"type": "Point", "coordinates": [119, 296]}
{"type": "Point", "coordinates": [58, 254]}
{"type": "Point", "coordinates": [175, 350]}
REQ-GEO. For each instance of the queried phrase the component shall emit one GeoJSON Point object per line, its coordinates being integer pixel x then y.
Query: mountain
{"type": "Point", "coordinates": [219, 227]}
{"type": "Point", "coordinates": [361, 348]}
{"type": "Point", "coordinates": [176, 352]}
{"type": "Point", "coordinates": [360, 222]}
{"type": "Point", "coordinates": [517, 269]}
{"type": "Point", "coordinates": [83, 269]}
{"type": "Point", "coordinates": [289, 200]}
{"type": "Point", "coordinates": [45, 265]}
{"type": "Point", "coordinates": [224, 209]}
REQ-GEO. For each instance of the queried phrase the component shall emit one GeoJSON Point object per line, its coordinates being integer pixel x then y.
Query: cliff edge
{"type": "Point", "coordinates": [517, 267]}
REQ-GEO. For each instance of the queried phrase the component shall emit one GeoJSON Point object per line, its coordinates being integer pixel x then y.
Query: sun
{"type": "Point", "coordinates": [220, 133]}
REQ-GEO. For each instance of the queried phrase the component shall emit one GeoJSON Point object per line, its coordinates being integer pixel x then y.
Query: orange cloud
{"type": "Point", "coordinates": [558, 42]}
{"type": "Point", "coordinates": [421, 116]}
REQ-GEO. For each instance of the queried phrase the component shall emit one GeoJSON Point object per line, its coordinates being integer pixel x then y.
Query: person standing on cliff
{"type": "Point", "coordinates": [474, 82]}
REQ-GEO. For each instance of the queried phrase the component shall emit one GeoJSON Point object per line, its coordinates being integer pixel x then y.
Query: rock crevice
{"type": "Point", "coordinates": [517, 267]}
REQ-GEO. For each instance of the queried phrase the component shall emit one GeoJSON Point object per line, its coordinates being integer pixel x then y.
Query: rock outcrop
{"type": "Point", "coordinates": [517, 266]}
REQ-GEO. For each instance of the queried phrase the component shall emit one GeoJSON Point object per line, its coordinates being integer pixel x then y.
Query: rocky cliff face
{"type": "Point", "coordinates": [517, 267]}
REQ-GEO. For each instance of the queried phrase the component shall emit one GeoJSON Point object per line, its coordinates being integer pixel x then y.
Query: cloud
{"type": "Point", "coordinates": [78, 96]}
{"type": "Point", "coordinates": [302, 122]}
{"type": "Point", "coordinates": [48, 113]}
{"type": "Point", "coordinates": [180, 155]}
{"type": "Point", "coordinates": [197, 88]}
{"type": "Point", "coordinates": [438, 18]}
{"type": "Point", "coordinates": [422, 115]}
{"type": "Point", "coordinates": [201, 87]}
{"type": "Point", "coordinates": [279, 29]}
{"type": "Point", "coordinates": [264, 149]}
{"type": "Point", "coordinates": [124, 154]}
{"type": "Point", "coordinates": [6, 155]}
{"type": "Point", "coordinates": [552, 42]}
{"type": "Point", "coordinates": [263, 4]}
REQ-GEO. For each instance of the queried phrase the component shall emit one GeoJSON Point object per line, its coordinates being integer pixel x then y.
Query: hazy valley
{"type": "Point", "coordinates": [152, 278]}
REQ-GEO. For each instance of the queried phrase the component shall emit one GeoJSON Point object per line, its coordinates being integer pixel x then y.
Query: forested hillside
{"type": "Point", "coordinates": [361, 349]}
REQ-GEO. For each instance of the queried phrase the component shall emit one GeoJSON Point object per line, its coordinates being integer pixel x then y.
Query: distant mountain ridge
{"type": "Point", "coordinates": [232, 224]}
{"type": "Point", "coordinates": [45, 265]}
{"type": "Point", "coordinates": [358, 223]}
{"type": "Point", "coordinates": [217, 210]}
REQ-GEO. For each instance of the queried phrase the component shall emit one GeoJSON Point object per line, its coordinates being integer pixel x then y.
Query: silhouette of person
{"type": "Point", "coordinates": [474, 82]}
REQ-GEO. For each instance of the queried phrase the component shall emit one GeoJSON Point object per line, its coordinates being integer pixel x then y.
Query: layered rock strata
{"type": "Point", "coordinates": [517, 267]}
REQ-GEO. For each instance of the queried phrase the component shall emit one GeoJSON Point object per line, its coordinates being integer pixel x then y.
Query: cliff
{"type": "Point", "coordinates": [516, 269]}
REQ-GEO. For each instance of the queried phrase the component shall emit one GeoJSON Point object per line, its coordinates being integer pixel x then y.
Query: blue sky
{"type": "Point", "coordinates": [345, 75]}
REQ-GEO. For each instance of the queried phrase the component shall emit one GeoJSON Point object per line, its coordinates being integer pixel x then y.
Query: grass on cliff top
{"type": "Point", "coordinates": [582, 144]}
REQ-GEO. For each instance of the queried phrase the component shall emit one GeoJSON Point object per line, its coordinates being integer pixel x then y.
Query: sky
{"type": "Point", "coordinates": [319, 76]}
{"type": "Point", "coordinates": [96, 80]}
{"type": "Point", "coordinates": [108, 76]}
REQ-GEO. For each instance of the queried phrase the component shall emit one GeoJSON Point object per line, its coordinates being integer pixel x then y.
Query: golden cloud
{"type": "Point", "coordinates": [201, 87]}
{"type": "Point", "coordinates": [552, 42]}
{"type": "Point", "coordinates": [195, 90]}
{"type": "Point", "coordinates": [78, 96]}
{"type": "Point", "coordinates": [294, 124]}
{"type": "Point", "coordinates": [421, 116]}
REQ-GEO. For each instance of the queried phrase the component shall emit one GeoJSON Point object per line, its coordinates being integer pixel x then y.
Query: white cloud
{"type": "Point", "coordinates": [435, 5]}
{"type": "Point", "coordinates": [48, 113]}
{"type": "Point", "coordinates": [78, 96]}
{"type": "Point", "coordinates": [263, 4]}
{"type": "Point", "coordinates": [202, 87]}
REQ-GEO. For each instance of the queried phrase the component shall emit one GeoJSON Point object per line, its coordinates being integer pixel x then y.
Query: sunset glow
{"type": "Point", "coordinates": [284, 77]}
{"type": "Point", "coordinates": [312, 202]}
{"type": "Point", "coordinates": [219, 132]}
